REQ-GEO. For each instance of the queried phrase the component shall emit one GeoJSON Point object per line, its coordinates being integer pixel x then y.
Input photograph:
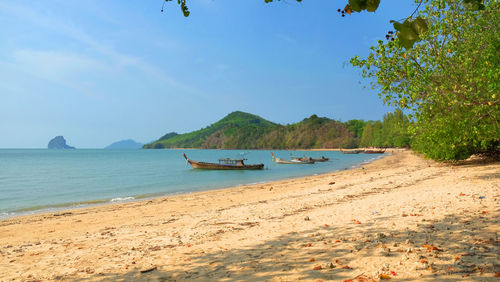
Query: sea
{"type": "Point", "coordinates": [43, 180]}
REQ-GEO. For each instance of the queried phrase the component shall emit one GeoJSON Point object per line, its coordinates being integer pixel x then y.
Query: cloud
{"type": "Point", "coordinates": [63, 68]}
{"type": "Point", "coordinates": [58, 64]}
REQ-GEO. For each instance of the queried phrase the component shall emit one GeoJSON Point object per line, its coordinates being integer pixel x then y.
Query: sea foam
{"type": "Point", "coordinates": [121, 199]}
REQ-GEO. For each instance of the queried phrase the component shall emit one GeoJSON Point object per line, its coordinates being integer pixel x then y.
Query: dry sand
{"type": "Point", "coordinates": [402, 217]}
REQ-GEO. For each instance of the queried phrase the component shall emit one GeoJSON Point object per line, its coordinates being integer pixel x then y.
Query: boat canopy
{"type": "Point", "coordinates": [228, 161]}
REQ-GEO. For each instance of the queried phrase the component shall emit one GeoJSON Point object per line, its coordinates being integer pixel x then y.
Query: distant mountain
{"type": "Point", "coordinates": [58, 142]}
{"type": "Point", "coordinates": [125, 144]}
{"type": "Point", "coordinates": [239, 130]}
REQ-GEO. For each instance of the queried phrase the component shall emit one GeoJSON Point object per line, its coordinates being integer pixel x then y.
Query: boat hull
{"type": "Point", "coordinates": [320, 160]}
{"type": "Point", "coordinates": [374, 151]}
{"type": "Point", "coordinates": [293, 161]}
{"type": "Point", "coordinates": [308, 159]}
{"type": "Point", "coordinates": [280, 161]}
{"type": "Point", "coordinates": [351, 151]}
{"type": "Point", "coordinates": [203, 165]}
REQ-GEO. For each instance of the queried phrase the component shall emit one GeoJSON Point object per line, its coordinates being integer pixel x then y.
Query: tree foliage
{"type": "Point", "coordinates": [240, 130]}
{"type": "Point", "coordinates": [449, 80]}
{"type": "Point", "coordinates": [391, 132]}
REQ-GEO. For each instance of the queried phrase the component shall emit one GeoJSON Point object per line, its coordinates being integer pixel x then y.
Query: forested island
{"type": "Point", "coordinates": [240, 130]}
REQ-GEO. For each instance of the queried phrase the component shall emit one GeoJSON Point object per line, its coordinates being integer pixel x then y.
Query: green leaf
{"type": "Point", "coordinates": [372, 5]}
{"type": "Point", "coordinates": [419, 25]}
{"type": "Point", "coordinates": [357, 5]}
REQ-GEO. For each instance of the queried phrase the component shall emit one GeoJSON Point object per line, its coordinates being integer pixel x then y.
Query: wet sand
{"type": "Point", "coordinates": [401, 217]}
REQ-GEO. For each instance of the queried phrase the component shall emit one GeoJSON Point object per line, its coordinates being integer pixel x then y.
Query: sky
{"type": "Point", "coordinates": [101, 71]}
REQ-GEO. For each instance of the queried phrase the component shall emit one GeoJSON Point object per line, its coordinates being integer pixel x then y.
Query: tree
{"type": "Point", "coordinates": [367, 136]}
{"type": "Point", "coordinates": [449, 80]}
{"type": "Point", "coordinates": [356, 126]}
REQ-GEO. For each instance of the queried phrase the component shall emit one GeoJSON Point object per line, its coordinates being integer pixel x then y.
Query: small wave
{"type": "Point", "coordinates": [6, 214]}
{"type": "Point", "coordinates": [255, 183]}
{"type": "Point", "coordinates": [121, 199]}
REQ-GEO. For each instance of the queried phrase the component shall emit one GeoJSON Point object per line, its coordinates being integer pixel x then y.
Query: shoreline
{"type": "Point", "coordinates": [64, 207]}
{"type": "Point", "coordinates": [401, 214]}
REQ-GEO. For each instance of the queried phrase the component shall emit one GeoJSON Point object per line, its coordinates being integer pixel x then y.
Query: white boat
{"type": "Point", "coordinates": [292, 161]}
{"type": "Point", "coordinates": [305, 158]}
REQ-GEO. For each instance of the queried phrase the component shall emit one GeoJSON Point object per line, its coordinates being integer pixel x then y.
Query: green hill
{"type": "Point", "coordinates": [235, 130]}
{"type": "Point", "coordinates": [240, 130]}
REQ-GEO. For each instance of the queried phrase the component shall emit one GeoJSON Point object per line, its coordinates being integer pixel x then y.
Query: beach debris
{"type": "Point", "coordinates": [326, 225]}
{"type": "Point", "coordinates": [431, 248]}
{"type": "Point", "coordinates": [393, 273]}
{"type": "Point", "coordinates": [346, 267]}
{"type": "Point", "coordinates": [330, 265]}
{"type": "Point", "coordinates": [62, 214]}
{"type": "Point", "coordinates": [149, 269]}
{"type": "Point", "coordinates": [497, 274]}
{"type": "Point", "coordinates": [307, 218]}
{"type": "Point", "coordinates": [308, 245]}
{"type": "Point", "coordinates": [461, 194]}
{"type": "Point", "coordinates": [384, 276]}
{"type": "Point", "coordinates": [317, 267]}
{"type": "Point", "coordinates": [482, 197]}
{"type": "Point", "coordinates": [356, 221]}
{"type": "Point", "coordinates": [311, 260]}
{"type": "Point", "coordinates": [331, 183]}
{"type": "Point", "coordinates": [271, 188]}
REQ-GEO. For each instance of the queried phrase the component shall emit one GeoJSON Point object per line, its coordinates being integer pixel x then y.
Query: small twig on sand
{"type": "Point", "coordinates": [148, 270]}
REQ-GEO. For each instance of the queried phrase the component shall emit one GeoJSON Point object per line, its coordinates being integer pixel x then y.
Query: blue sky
{"type": "Point", "coordinates": [101, 71]}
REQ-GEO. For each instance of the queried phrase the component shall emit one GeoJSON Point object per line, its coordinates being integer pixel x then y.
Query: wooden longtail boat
{"type": "Point", "coordinates": [293, 161]}
{"type": "Point", "coordinates": [351, 151]}
{"type": "Point", "coordinates": [374, 151]}
{"type": "Point", "coordinates": [305, 158]}
{"type": "Point", "coordinates": [224, 164]}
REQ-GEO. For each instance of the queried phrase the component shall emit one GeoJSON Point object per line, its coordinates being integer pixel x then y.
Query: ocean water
{"type": "Point", "coordinates": [38, 180]}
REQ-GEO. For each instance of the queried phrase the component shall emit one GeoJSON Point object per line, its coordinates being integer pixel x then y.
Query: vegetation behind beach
{"type": "Point", "coordinates": [240, 130]}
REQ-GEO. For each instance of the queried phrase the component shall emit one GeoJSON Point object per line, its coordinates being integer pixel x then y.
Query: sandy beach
{"type": "Point", "coordinates": [401, 217]}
